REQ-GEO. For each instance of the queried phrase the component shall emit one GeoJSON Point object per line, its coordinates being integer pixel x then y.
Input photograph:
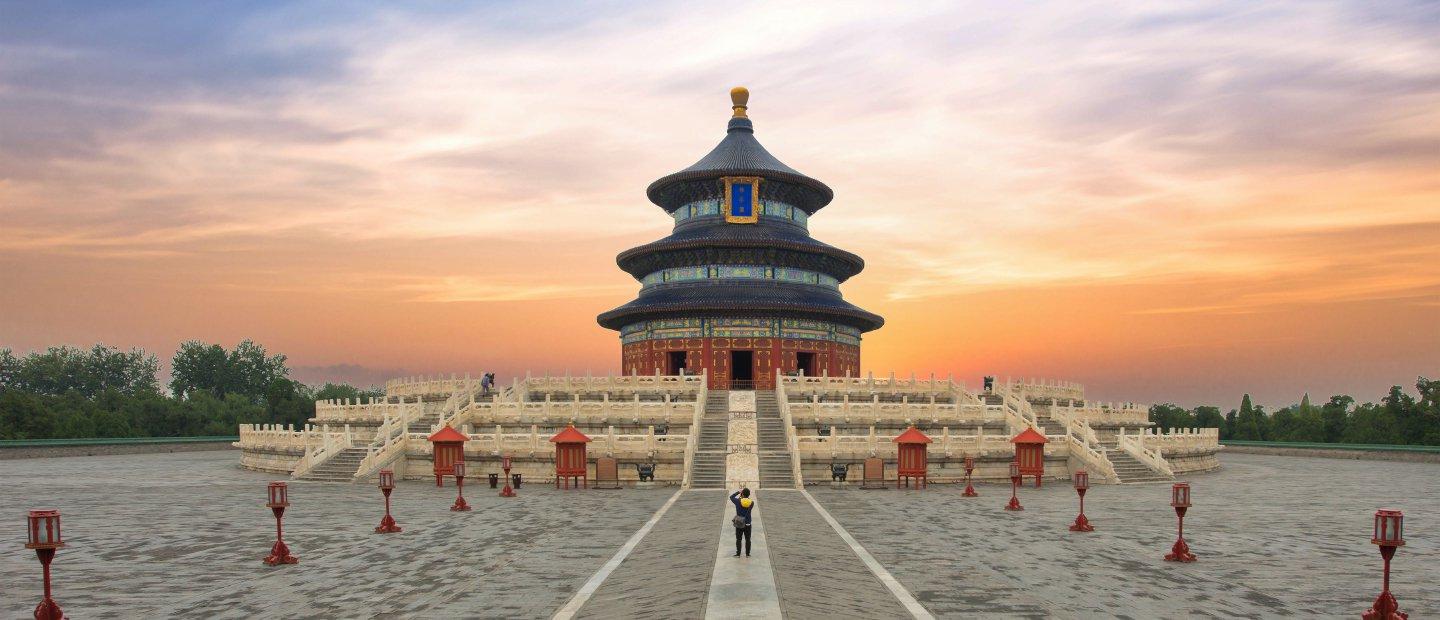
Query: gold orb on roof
{"type": "Point", "coordinates": [739, 96]}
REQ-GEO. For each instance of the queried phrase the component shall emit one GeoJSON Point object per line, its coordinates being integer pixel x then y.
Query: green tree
{"type": "Point", "coordinates": [66, 369]}
{"type": "Point", "coordinates": [1209, 417]}
{"type": "Point", "coordinates": [1335, 418]}
{"type": "Point", "coordinates": [1251, 423]}
{"type": "Point", "coordinates": [1231, 422]}
{"type": "Point", "coordinates": [245, 370]}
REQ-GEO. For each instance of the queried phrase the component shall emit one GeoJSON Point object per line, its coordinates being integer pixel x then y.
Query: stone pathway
{"type": "Point", "coordinates": [742, 587]}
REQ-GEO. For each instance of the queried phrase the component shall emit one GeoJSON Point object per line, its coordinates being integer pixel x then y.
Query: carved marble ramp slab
{"type": "Point", "coordinates": [743, 587]}
{"type": "Point", "coordinates": [742, 460]}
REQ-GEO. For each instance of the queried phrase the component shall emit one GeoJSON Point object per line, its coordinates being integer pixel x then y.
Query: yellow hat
{"type": "Point", "coordinates": [747, 502]}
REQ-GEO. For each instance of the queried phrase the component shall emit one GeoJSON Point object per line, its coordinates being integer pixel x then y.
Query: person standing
{"type": "Point", "coordinates": [743, 508]}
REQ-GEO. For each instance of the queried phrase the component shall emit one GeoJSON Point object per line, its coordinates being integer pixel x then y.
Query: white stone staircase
{"type": "Point", "coordinates": [772, 446]}
{"type": "Point", "coordinates": [707, 467]}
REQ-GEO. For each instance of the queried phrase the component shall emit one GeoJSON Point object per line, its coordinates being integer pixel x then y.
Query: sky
{"type": "Point", "coordinates": [1168, 202]}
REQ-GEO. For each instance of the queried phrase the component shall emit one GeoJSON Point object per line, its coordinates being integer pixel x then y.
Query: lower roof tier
{"type": "Point", "coordinates": [716, 243]}
{"type": "Point", "coordinates": [741, 299]}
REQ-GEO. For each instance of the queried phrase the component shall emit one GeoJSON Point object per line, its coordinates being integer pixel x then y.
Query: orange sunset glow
{"type": "Point", "coordinates": [1176, 203]}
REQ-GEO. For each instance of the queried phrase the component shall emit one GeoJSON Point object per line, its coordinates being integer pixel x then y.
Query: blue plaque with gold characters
{"type": "Point", "coordinates": [742, 200]}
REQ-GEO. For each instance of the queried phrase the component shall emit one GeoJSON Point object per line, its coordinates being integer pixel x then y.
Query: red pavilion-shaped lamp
{"type": "Point", "coordinates": [1082, 484]}
{"type": "Point", "coordinates": [570, 456]}
{"type": "Point", "coordinates": [1030, 453]}
{"type": "Point", "coordinates": [43, 535]}
{"type": "Point", "coordinates": [387, 485]}
{"type": "Point", "coordinates": [1180, 499]}
{"type": "Point", "coordinates": [505, 465]}
{"type": "Point", "coordinates": [911, 448]}
{"type": "Point", "coordinates": [449, 449]}
{"type": "Point", "coordinates": [277, 500]}
{"type": "Point", "coordinates": [1389, 535]}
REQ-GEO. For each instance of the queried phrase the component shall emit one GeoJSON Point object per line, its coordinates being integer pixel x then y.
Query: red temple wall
{"type": "Point", "coordinates": [713, 355]}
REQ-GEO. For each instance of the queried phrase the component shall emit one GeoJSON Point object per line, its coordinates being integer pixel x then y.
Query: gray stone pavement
{"type": "Point", "coordinates": [1275, 536]}
{"type": "Point", "coordinates": [817, 574]}
{"type": "Point", "coordinates": [668, 573]}
{"type": "Point", "coordinates": [183, 534]}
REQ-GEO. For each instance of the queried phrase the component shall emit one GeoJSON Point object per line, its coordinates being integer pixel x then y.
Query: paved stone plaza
{"type": "Point", "coordinates": [182, 535]}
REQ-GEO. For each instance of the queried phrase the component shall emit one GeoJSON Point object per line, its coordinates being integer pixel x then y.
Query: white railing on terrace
{"type": "Point", "coordinates": [695, 420]}
{"type": "Point", "coordinates": [868, 385]}
{"type": "Point", "coordinates": [1018, 413]}
{"type": "Point", "coordinates": [270, 436]}
{"type": "Point", "coordinates": [873, 411]}
{"type": "Point", "coordinates": [874, 444]}
{"type": "Point", "coordinates": [788, 423]}
{"type": "Point", "coordinates": [391, 440]}
{"type": "Point", "coordinates": [1134, 446]}
{"type": "Point", "coordinates": [1180, 439]}
{"type": "Point", "coordinates": [534, 443]}
{"type": "Point", "coordinates": [1108, 414]}
{"type": "Point", "coordinates": [354, 409]}
{"type": "Point", "coordinates": [1047, 388]}
{"type": "Point", "coordinates": [428, 385]}
{"type": "Point", "coordinates": [588, 383]}
{"type": "Point", "coordinates": [320, 446]}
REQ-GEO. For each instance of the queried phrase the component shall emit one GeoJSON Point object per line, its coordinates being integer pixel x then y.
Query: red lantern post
{"type": "Point", "coordinates": [505, 465]}
{"type": "Point", "coordinates": [278, 500]}
{"type": "Point", "coordinates": [44, 537]}
{"type": "Point", "coordinates": [969, 468]}
{"type": "Point", "coordinates": [387, 484]}
{"type": "Point", "coordinates": [459, 472]}
{"type": "Point", "coordinates": [1014, 486]}
{"type": "Point", "coordinates": [1082, 484]}
{"type": "Point", "coordinates": [1389, 535]}
{"type": "Point", "coordinates": [1180, 499]}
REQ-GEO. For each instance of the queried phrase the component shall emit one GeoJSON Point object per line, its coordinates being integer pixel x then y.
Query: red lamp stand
{"type": "Point", "coordinates": [460, 505]}
{"type": "Point", "coordinates": [1082, 484]}
{"type": "Point", "coordinates": [505, 465]}
{"type": "Point", "coordinates": [44, 537]}
{"type": "Point", "coordinates": [969, 468]}
{"type": "Point", "coordinates": [387, 485]}
{"type": "Point", "coordinates": [1014, 486]}
{"type": "Point", "coordinates": [1180, 499]}
{"type": "Point", "coordinates": [1389, 536]}
{"type": "Point", "coordinates": [279, 501]}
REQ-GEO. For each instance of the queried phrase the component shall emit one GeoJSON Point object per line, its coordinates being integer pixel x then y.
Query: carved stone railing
{"type": "Point", "coordinates": [270, 437]}
{"type": "Point", "coordinates": [430, 385]}
{"type": "Point", "coordinates": [694, 438]}
{"type": "Point", "coordinates": [1180, 439]}
{"type": "Point", "coordinates": [1018, 413]}
{"type": "Point", "coordinates": [1134, 446]}
{"type": "Point", "coordinates": [873, 444]}
{"type": "Point", "coordinates": [788, 423]}
{"type": "Point", "coordinates": [1106, 414]}
{"type": "Point", "coordinates": [1047, 388]}
{"type": "Point", "coordinates": [353, 409]}
{"type": "Point", "coordinates": [874, 412]}
{"type": "Point", "coordinates": [391, 441]}
{"type": "Point", "coordinates": [321, 446]}
{"type": "Point", "coordinates": [534, 443]}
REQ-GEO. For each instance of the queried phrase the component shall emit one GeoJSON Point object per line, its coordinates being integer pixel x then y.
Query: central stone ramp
{"type": "Point", "coordinates": [816, 572]}
{"type": "Point", "coordinates": [668, 574]}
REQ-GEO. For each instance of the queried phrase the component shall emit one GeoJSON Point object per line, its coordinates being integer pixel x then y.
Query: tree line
{"type": "Point", "coordinates": [1399, 419]}
{"type": "Point", "coordinates": [67, 392]}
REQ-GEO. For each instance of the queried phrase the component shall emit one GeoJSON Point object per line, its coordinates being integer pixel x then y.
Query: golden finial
{"type": "Point", "coordinates": [739, 96]}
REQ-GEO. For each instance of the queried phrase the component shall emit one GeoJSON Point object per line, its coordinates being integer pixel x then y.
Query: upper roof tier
{"type": "Point", "coordinates": [740, 154]}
